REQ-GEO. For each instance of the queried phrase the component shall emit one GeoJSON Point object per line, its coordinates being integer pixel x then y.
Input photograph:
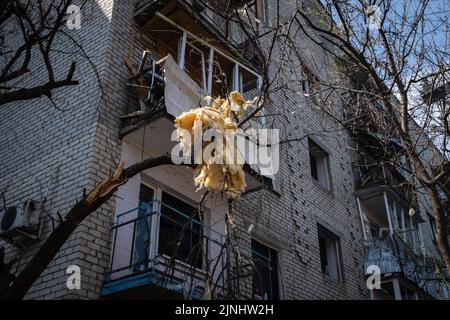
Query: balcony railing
{"type": "Point", "coordinates": [382, 252]}
{"type": "Point", "coordinates": [139, 259]}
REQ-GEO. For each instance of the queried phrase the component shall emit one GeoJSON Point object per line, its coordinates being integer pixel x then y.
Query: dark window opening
{"type": "Point", "coordinates": [222, 81]}
{"type": "Point", "coordinates": [265, 272]}
{"type": "Point", "coordinates": [196, 62]}
{"type": "Point", "coordinates": [180, 233]}
{"type": "Point", "coordinates": [313, 164]}
{"type": "Point", "coordinates": [432, 226]}
{"type": "Point", "coordinates": [305, 86]}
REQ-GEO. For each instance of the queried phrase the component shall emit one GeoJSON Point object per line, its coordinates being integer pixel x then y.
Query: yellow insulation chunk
{"type": "Point", "coordinates": [219, 114]}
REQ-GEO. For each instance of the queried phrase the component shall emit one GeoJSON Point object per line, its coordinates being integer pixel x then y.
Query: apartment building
{"type": "Point", "coordinates": [301, 234]}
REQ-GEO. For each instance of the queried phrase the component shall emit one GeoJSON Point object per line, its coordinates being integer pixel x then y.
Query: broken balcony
{"type": "Point", "coordinates": [400, 264]}
{"type": "Point", "coordinates": [373, 176]}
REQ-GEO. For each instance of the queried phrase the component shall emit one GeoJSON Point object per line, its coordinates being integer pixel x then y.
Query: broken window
{"type": "Point", "coordinates": [265, 272]}
{"type": "Point", "coordinates": [167, 41]}
{"type": "Point", "coordinates": [407, 226]}
{"type": "Point", "coordinates": [329, 253]}
{"type": "Point", "coordinates": [228, 76]}
{"type": "Point", "coordinates": [432, 223]}
{"type": "Point", "coordinates": [180, 233]}
{"type": "Point", "coordinates": [318, 160]}
{"type": "Point", "coordinates": [214, 71]}
{"type": "Point", "coordinates": [222, 76]}
{"type": "Point", "coordinates": [254, 8]}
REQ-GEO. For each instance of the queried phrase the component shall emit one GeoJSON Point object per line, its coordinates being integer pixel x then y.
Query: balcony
{"type": "Point", "coordinates": [211, 15]}
{"type": "Point", "coordinates": [158, 247]}
{"type": "Point", "coordinates": [160, 252]}
{"type": "Point", "coordinates": [392, 237]}
{"type": "Point", "coordinates": [181, 63]}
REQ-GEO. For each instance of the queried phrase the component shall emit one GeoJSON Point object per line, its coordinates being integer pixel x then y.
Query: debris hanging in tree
{"type": "Point", "coordinates": [221, 115]}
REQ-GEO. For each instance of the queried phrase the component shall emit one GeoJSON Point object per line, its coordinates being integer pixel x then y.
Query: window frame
{"type": "Point", "coordinates": [185, 43]}
{"type": "Point", "coordinates": [181, 51]}
{"type": "Point", "coordinates": [156, 223]}
{"type": "Point", "coordinates": [189, 231]}
{"type": "Point", "coordinates": [325, 233]}
{"type": "Point", "coordinates": [277, 271]}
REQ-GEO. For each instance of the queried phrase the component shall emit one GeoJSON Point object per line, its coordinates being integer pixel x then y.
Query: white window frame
{"type": "Point", "coordinates": [154, 230]}
{"type": "Point", "coordinates": [184, 43]}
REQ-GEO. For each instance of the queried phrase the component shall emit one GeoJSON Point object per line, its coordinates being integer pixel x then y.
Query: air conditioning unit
{"type": "Point", "coordinates": [20, 220]}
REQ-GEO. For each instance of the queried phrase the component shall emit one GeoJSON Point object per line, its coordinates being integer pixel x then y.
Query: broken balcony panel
{"type": "Point", "coordinates": [181, 92]}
